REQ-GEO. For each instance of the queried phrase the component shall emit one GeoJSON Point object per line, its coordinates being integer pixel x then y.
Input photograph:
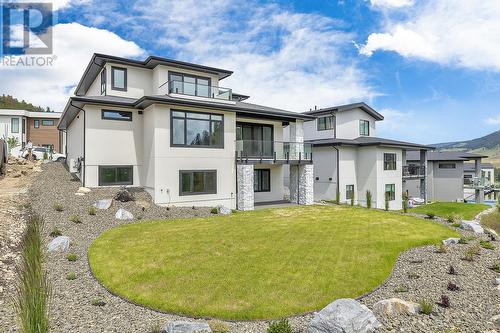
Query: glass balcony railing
{"type": "Point", "coordinates": [195, 89]}
{"type": "Point", "coordinates": [410, 171]}
{"type": "Point", "coordinates": [273, 150]}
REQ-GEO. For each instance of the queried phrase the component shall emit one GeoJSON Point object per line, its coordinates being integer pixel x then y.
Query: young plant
{"type": "Point", "coordinates": [156, 328]}
{"type": "Point", "coordinates": [486, 245]}
{"type": "Point", "coordinates": [456, 225]}
{"type": "Point", "coordinates": [97, 302]}
{"type": "Point", "coordinates": [496, 267]}
{"type": "Point", "coordinates": [472, 252]}
{"type": "Point", "coordinates": [71, 257]}
{"type": "Point", "coordinates": [452, 286]}
{"type": "Point", "coordinates": [405, 204]}
{"type": "Point", "coordinates": [413, 276]}
{"type": "Point", "coordinates": [452, 270]}
{"type": "Point", "coordinates": [426, 307]}
{"type": "Point", "coordinates": [281, 326]}
{"type": "Point", "coordinates": [214, 210]}
{"type": "Point", "coordinates": [441, 248]}
{"type": "Point", "coordinates": [401, 289]}
{"type": "Point", "coordinates": [352, 199]}
{"type": "Point", "coordinates": [58, 207]}
{"type": "Point", "coordinates": [92, 210]}
{"type": "Point", "coordinates": [386, 202]}
{"type": "Point", "coordinates": [55, 232]}
{"type": "Point", "coordinates": [454, 218]}
{"type": "Point", "coordinates": [218, 326]}
{"type": "Point", "coordinates": [431, 216]}
{"type": "Point", "coordinates": [71, 276]}
{"type": "Point", "coordinates": [444, 301]}
{"type": "Point", "coordinates": [337, 198]}
{"type": "Point", "coordinates": [462, 240]}
{"type": "Point", "coordinates": [75, 219]}
{"type": "Point", "coordinates": [368, 199]}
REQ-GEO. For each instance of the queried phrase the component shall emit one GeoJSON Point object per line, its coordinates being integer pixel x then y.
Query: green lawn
{"type": "Point", "coordinates": [492, 221]}
{"type": "Point", "coordinates": [263, 264]}
{"type": "Point", "coordinates": [444, 209]}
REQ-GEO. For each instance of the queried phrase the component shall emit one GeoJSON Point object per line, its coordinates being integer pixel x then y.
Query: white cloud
{"type": "Point", "coordinates": [74, 45]}
{"type": "Point", "coordinates": [394, 120]}
{"type": "Point", "coordinates": [461, 33]}
{"type": "Point", "coordinates": [391, 3]}
{"type": "Point", "coordinates": [495, 120]}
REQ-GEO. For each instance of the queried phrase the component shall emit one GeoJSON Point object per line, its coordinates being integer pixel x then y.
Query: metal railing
{"type": "Point", "coordinates": [410, 171]}
{"type": "Point", "coordinates": [273, 150]}
{"type": "Point", "coordinates": [195, 89]}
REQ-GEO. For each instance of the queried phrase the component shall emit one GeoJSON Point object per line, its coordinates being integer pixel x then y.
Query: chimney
{"type": "Point", "coordinates": [315, 107]}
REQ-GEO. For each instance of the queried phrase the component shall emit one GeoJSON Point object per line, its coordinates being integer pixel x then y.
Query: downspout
{"type": "Point", "coordinates": [338, 172]}
{"type": "Point", "coordinates": [84, 131]}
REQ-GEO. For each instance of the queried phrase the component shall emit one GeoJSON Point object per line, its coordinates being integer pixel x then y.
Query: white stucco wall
{"type": "Point", "coordinates": [348, 123]}
{"type": "Point", "coordinates": [348, 166]}
{"type": "Point", "coordinates": [389, 177]}
{"type": "Point", "coordinates": [277, 189]}
{"type": "Point", "coordinates": [311, 131]}
{"type": "Point", "coordinates": [74, 141]}
{"type": "Point", "coordinates": [325, 173]}
{"type": "Point", "coordinates": [6, 128]}
{"type": "Point", "coordinates": [447, 184]}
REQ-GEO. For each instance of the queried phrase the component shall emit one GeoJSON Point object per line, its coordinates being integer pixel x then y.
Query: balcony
{"type": "Point", "coordinates": [477, 183]}
{"type": "Point", "coordinates": [196, 90]}
{"type": "Point", "coordinates": [257, 151]}
{"type": "Point", "coordinates": [413, 171]}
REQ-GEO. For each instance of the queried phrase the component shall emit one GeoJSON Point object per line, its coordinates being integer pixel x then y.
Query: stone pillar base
{"type": "Point", "coordinates": [245, 199]}
{"type": "Point", "coordinates": [306, 184]}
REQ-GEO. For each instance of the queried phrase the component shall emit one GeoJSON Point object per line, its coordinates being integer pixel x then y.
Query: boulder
{"type": "Point", "coordinates": [450, 241]}
{"type": "Point", "coordinates": [103, 204]}
{"type": "Point", "coordinates": [496, 321]}
{"type": "Point", "coordinates": [344, 316]}
{"type": "Point", "coordinates": [60, 243]}
{"type": "Point", "coordinates": [497, 281]}
{"type": "Point", "coordinates": [79, 194]}
{"type": "Point", "coordinates": [472, 225]}
{"type": "Point", "coordinates": [83, 190]}
{"type": "Point", "coordinates": [224, 210]}
{"type": "Point", "coordinates": [186, 327]}
{"type": "Point", "coordinates": [122, 214]}
{"type": "Point", "coordinates": [395, 306]}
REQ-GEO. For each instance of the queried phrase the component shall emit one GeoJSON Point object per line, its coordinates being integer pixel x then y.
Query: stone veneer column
{"type": "Point", "coordinates": [306, 184]}
{"type": "Point", "coordinates": [245, 200]}
{"type": "Point", "coordinates": [293, 184]}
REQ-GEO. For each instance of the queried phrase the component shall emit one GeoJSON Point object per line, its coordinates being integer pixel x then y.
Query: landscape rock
{"type": "Point", "coordinates": [450, 241]}
{"type": "Point", "coordinates": [395, 306]}
{"type": "Point", "coordinates": [344, 316]}
{"type": "Point", "coordinates": [497, 281]}
{"type": "Point", "coordinates": [496, 320]}
{"type": "Point", "coordinates": [224, 210]}
{"type": "Point", "coordinates": [186, 327]}
{"type": "Point", "coordinates": [60, 243]}
{"type": "Point", "coordinates": [143, 204]}
{"type": "Point", "coordinates": [83, 190]}
{"type": "Point", "coordinates": [472, 225]}
{"type": "Point", "coordinates": [103, 204]}
{"type": "Point", "coordinates": [122, 214]}
{"type": "Point", "coordinates": [79, 194]}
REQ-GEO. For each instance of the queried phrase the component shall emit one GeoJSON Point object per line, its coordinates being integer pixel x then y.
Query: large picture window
{"type": "Point", "coordinates": [116, 115]}
{"type": "Point", "coordinates": [390, 192]}
{"type": "Point", "coordinates": [326, 123]}
{"type": "Point", "coordinates": [389, 161]}
{"type": "Point", "coordinates": [262, 180]}
{"type": "Point", "coordinates": [47, 122]}
{"type": "Point", "coordinates": [115, 175]}
{"type": "Point", "coordinates": [189, 85]}
{"type": "Point", "coordinates": [349, 192]}
{"type": "Point", "coordinates": [14, 125]}
{"type": "Point", "coordinates": [119, 78]}
{"type": "Point", "coordinates": [194, 129]}
{"type": "Point", "coordinates": [197, 182]}
{"type": "Point", "coordinates": [364, 127]}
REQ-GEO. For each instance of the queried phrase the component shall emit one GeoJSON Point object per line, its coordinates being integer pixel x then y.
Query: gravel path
{"type": "Point", "coordinates": [72, 311]}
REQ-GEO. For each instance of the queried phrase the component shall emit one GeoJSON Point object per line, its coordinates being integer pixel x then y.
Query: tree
{"type": "Point", "coordinates": [12, 142]}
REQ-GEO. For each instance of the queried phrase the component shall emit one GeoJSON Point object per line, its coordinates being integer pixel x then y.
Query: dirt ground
{"type": "Point", "coordinates": [14, 183]}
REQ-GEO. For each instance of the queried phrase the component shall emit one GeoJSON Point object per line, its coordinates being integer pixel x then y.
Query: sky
{"type": "Point", "coordinates": [430, 67]}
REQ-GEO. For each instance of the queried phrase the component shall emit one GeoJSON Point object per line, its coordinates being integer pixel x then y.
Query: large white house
{"type": "Point", "coordinates": [169, 127]}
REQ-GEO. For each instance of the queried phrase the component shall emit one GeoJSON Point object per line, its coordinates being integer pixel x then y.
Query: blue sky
{"type": "Point", "coordinates": [431, 67]}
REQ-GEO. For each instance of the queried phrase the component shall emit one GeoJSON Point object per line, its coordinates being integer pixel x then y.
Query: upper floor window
{"type": "Point", "coordinates": [447, 166]}
{"type": "Point", "coordinates": [326, 123]}
{"type": "Point", "coordinates": [116, 115]}
{"type": "Point", "coordinates": [103, 82]}
{"type": "Point", "coordinates": [196, 129]}
{"type": "Point", "coordinates": [36, 123]}
{"type": "Point", "coordinates": [389, 161]}
{"type": "Point", "coordinates": [119, 78]}
{"type": "Point", "coordinates": [14, 125]}
{"type": "Point", "coordinates": [47, 122]}
{"type": "Point", "coordinates": [189, 85]}
{"type": "Point", "coordinates": [364, 127]}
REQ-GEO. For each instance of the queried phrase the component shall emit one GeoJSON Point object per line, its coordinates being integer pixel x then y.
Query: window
{"type": "Point", "coordinates": [447, 165]}
{"type": "Point", "coordinates": [390, 191]}
{"type": "Point", "coordinates": [36, 123]}
{"type": "Point", "coordinates": [46, 122]}
{"type": "Point", "coordinates": [40, 149]}
{"type": "Point", "coordinates": [256, 139]}
{"type": "Point", "coordinates": [262, 180]}
{"type": "Point", "coordinates": [349, 192]}
{"type": "Point", "coordinates": [194, 129]}
{"type": "Point", "coordinates": [326, 123]}
{"type": "Point", "coordinates": [24, 126]}
{"type": "Point", "coordinates": [197, 182]}
{"type": "Point", "coordinates": [189, 84]}
{"type": "Point", "coordinates": [103, 82]}
{"type": "Point", "coordinates": [119, 78]}
{"type": "Point", "coordinates": [116, 115]}
{"type": "Point", "coordinates": [364, 127]}
{"type": "Point", "coordinates": [14, 125]}
{"type": "Point", "coordinates": [389, 161]}
{"type": "Point", "coordinates": [115, 175]}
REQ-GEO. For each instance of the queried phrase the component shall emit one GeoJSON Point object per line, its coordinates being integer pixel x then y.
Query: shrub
{"type": "Point", "coordinates": [486, 244]}
{"type": "Point", "coordinates": [496, 267]}
{"type": "Point", "coordinates": [71, 257]}
{"type": "Point", "coordinates": [456, 225]}
{"type": "Point", "coordinates": [368, 199]}
{"type": "Point", "coordinates": [218, 326]}
{"type": "Point", "coordinates": [426, 307]}
{"type": "Point", "coordinates": [452, 270]}
{"type": "Point", "coordinates": [124, 195]}
{"type": "Point", "coordinates": [214, 210]}
{"type": "Point", "coordinates": [45, 156]}
{"type": "Point", "coordinates": [452, 287]}
{"type": "Point", "coordinates": [471, 252]}
{"type": "Point", "coordinates": [462, 240]}
{"type": "Point", "coordinates": [337, 198]}
{"type": "Point", "coordinates": [444, 301]}
{"type": "Point", "coordinates": [454, 218]}
{"type": "Point", "coordinates": [386, 202]}
{"type": "Point", "coordinates": [401, 289]}
{"type": "Point", "coordinates": [413, 276]}
{"type": "Point", "coordinates": [92, 210]}
{"type": "Point", "coordinates": [405, 205]}
{"type": "Point", "coordinates": [441, 248]}
{"type": "Point", "coordinates": [75, 219]}
{"type": "Point", "coordinates": [55, 232]}
{"type": "Point", "coordinates": [58, 207]}
{"type": "Point", "coordinates": [156, 328]}
{"type": "Point", "coordinates": [71, 276]}
{"type": "Point", "coordinates": [352, 199]}
{"type": "Point", "coordinates": [431, 216]}
{"type": "Point", "coordinates": [32, 290]}
{"type": "Point", "coordinates": [281, 326]}
{"type": "Point", "coordinates": [97, 302]}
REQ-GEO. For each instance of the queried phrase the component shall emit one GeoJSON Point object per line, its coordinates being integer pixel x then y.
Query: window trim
{"type": "Point", "coordinates": [103, 81]}
{"type": "Point", "coordinates": [362, 121]}
{"type": "Point", "coordinates": [441, 166]}
{"type": "Point", "coordinates": [100, 167]}
{"type": "Point", "coordinates": [196, 77]}
{"type": "Point", "coordinates": [260, 183]}
{"type": "Point", "coordinates": [392, 190]}
{"type": "Point", "coordinates": [326, 129]}
{"type": "Point", "coordinates": [185, 145]}
{"type": "Point", "coordinates": [36, 123]}
{"type": "Point", "coordinates": [181, 172]}
{"type": "Point", "coordinates": [103, 117]}
{"type": "Point", "coordinates": [387, 164]}
{"type": "Point", "coordinates": [113, 87]}
{"type": "Point", "coordinates": [12, 125]}
{"type": "Point", "coordinates": [347, 191]}
{"type": "Point", "coordinates": [51, 120]}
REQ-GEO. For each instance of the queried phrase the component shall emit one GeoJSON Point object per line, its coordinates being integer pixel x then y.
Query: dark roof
{"type": "Point", "coordinates": [363, 106]}
{"type": "Point", "coordinates": [239, 97]}
{"type": "Point", "coordinates": [98, 60]}
{"type": "Point", "coordinates": [444, 156]}
{"type": "Point", "coordinates": [472, 167]}
{"type": "Point", "coordinates": [367, 141]}
{"type": "Point", "coordinates": [241, 108]}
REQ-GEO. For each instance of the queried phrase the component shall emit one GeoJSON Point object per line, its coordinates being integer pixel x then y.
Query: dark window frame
{"type": "Point", "coordinates": [182, 193]}
{"type": "Point", "coordinates": [12, 125]}
{"type": "Point", "coordinates": [392, 192]}
{"type": "Point", "coordinates": [131, 182]}
{"type": "Point", "coordinates": [252, 125]}
{"type": "Point", "coordinates": [36, 123]}
{"type": "Point", "coordinates": [326, 129]}
{"type": "Point", "coordinates": [185, 118]}
{"type": "Point", "coordinates": [50, 120]}
{"type": "Point", "coordinates": [363, 121]}
{"type": "Point", "coordinates": [103, 117]}
{"type": "Point", "coordinates": [349, 189]}
{"type": "Point", "coordinates": [23, 122]}
{"type": "Point", "coordinates": [390, 165]}
{"type": "Point", "coordinates": [113, 87]}
{"type": "Point", "coordinates": [196, 77]}
{"type": "Point", "coordinates": [261, 171]}
{"type": "Point", "coordinates": [450, 166]}
{"type": "Point", "coordinates": [103, 81]}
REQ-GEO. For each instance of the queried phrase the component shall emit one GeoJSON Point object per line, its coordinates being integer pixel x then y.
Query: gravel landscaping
{"type": "Point", "coordinates": [83, 305]}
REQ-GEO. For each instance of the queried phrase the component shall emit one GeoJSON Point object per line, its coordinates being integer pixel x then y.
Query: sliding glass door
{"type": "Point", "coordinates": [257, 139]}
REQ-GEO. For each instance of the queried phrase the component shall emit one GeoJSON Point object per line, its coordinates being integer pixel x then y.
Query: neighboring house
{"type": "Point", "coordinates": [445, 173]}
{"type": "Point", "coordinates": [168, 126]}
{"type": "Point", "coordinates": [487, 173]}
{"type": "Point", "coordinates": [38, 127]}
{"type": "Point", "coordinates": [350, 160]}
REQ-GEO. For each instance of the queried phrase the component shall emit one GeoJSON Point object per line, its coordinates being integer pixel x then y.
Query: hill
{"type": "Point", "coordinates": [9, 102]}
